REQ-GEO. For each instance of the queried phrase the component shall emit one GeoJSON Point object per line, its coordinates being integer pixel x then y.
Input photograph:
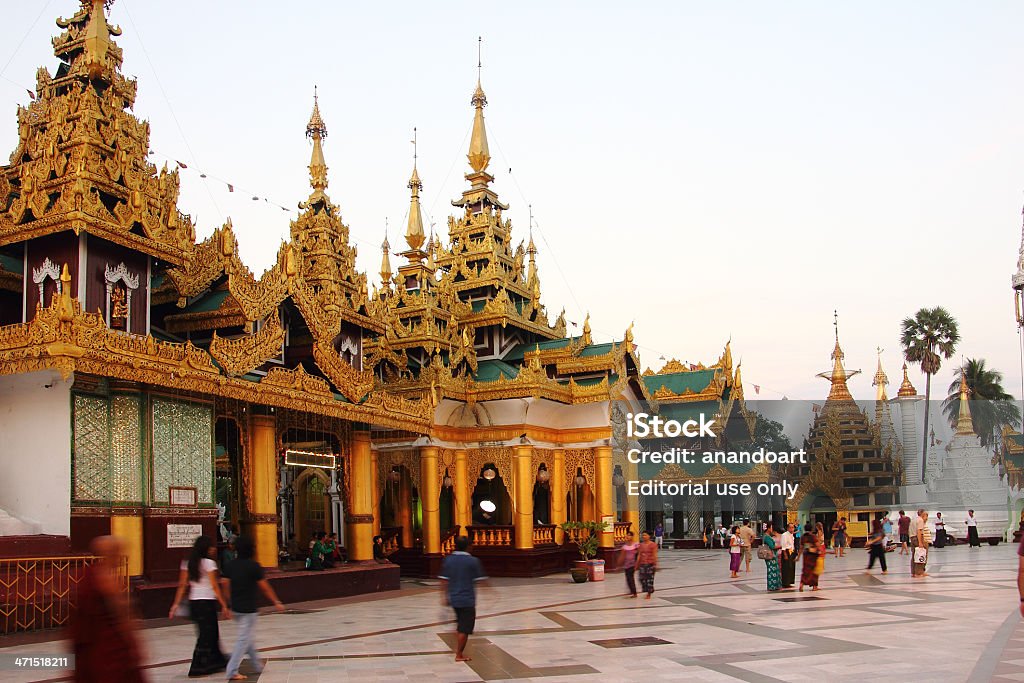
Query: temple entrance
{"type": "Point", "coordinates": [312, 509]}
{"type": "Point", "coordinates": [228, 481]}
{"type": "Point", "coordinates": [491, 501]}
{"type": "Point", "coordinates": [580, 500]}
{"type": "Point", "coordinates": [400, 510]}
{"type": "Point", "coordinates": [821, 508]}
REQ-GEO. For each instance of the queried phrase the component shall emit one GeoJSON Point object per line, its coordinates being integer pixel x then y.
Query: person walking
{"type": "Point", "coordinates": [647, 564]}
{"type": "Point", "coordinates": [244, 576]}
{"type": "Point", "coordinates": [735, 552]}
{"type": "Point", "coordinates": [747, 537]}
{"type": "Point", "coordinates": [198, 576]}
{"type": "Point", "coordinates": [903, 527]}
{"type": "Point", "coordinates": [839, 537]}
{"type": "Point", "coordinates": [459, 575]}
{"type": "Point", "coordinates": [102, 635]}
{"type": "Point", "coordinates": [768, 553]}
{"type": "Point", "coordinates": [919, 545]}
{"type": "Point", "coordinates": [940, 531]}
{"type": "Point", "coordinates": [876, 547]}
{"type": "Point", "coordinates": [810, 573]}
{"type": "Point", "coordinates": [659, 534]}
{"type": "Point", "coordinates": [787, 556]}
{"type": "Point", "coordinates": [972, 529]}
{"type": "Point", "coordinates": [629, 550]}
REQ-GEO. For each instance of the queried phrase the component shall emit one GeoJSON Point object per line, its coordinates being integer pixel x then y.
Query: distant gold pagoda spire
{"type": "Point", "coordinates": [840, 391]}
{"type": "Point", "coordinates": [880, 380]}
{"type": "Point", "coordinates": [964, 422]}
{"type": "Point", "coordinates": [97, 37]}
{"type": "Point", "coordinates": [906, 388]}
{"type": "Point", "coordinates": [316, 130]}
{"type": "Point", "coordinates": [385, 262]}
{"type": "Point", "coordinates": [414, 236]}
{"type": "Point", "coordinates": [479, 153]}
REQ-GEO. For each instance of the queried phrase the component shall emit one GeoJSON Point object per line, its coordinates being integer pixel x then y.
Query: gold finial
{"type": "Point", "coordinates": [880, 379]}
{"type": "Point", "coordinates": [316, 130]}
{"type": "Point", "coordinates": [479, 153]}
{"type": "Point", "coordinates": [840, 391]}
{"type": "Point", "coordinates": [66, 311]}
{"type": "Point", "coordinates": [586, 338]}
{"type": "Point", "coordinates": [431, 248]}
{"type": "Point", "coordinates": [906, 388]}
{"type": "Point", "coordinates": [414, 230]}
{"type": "Point", "coordinates": [97, 37]}
{"type": "Point", "coordinates": [964, 422]}
{"type": "Point", "coordinates": [385, 262]}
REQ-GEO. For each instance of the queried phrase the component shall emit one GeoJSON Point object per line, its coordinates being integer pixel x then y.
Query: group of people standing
{"type": "Point", "coordinates": [640, 559]}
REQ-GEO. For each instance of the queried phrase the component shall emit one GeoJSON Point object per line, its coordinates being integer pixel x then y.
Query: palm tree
{"type": "Point", "coordinates": [991, 407]}
{"type": "Point", "coordinates": [927, 338]}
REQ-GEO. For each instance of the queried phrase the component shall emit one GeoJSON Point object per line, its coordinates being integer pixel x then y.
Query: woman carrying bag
{"type": "Point", "coordinates": [735, 558]}
{"type": "Point", "coordinates": [199, 577]}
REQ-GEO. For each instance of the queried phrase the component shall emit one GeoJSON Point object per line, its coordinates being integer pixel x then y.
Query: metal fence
{"type": "Point", "coordinates": [41, 592]}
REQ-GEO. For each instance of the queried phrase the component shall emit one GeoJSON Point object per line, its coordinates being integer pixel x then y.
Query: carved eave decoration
{"type": "Point", "coordinates": [240, 356]}
{"type": "Point", "coordinates": [64, 338]}
{"type": "Point", "coordinates": [716, 474]}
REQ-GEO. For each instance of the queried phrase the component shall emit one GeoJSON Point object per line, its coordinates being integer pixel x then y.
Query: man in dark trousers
{"type": "Point", "coordinates": [459, 573]}
{"type": "Point", "coordinates": [246, 575]}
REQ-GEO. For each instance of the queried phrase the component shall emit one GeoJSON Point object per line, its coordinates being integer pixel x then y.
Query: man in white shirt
{"type": "Point", "coordinates": [918, 527]}
{"type": "Point", "coordinates": [787, 557]}
{"type": "Point", "coordinates": [972, 529]}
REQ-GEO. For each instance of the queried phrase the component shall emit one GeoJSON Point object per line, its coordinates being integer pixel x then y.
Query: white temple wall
{"type": "Point", "coordinates": [35, 450]}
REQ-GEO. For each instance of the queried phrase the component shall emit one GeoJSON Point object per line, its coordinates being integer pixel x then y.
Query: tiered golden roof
{"type": "Point", "coordinates": [906, 388]}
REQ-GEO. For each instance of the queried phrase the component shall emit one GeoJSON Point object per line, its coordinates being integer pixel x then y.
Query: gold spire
{"type": "Point", "coordinates": [906, 388]}
{"type": "Point", "coordinates": [479, 154]}
{"type": "Point", "coordinates": [97, 38]}
{"type": "Point", "coordinates": [586, 338]}
{"type": "Point", "coordinates": [385, 262]}
{"type": "Point", "coordinates": [840, 391]}
{"type": "Point", "coordinates": [880, 380]}
{"type": "Point", "coordinates": [964, 423]}
{"type": "Point", "coordinates": [431, 248]}
{"type": "Point", "coordinates": [414, 230]}
{"type": "Point", "coordinates": [316, 130]}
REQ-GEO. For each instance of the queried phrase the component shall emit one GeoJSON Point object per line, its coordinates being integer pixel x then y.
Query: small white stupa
{"type": "Point", "coordinates": [969, 481]}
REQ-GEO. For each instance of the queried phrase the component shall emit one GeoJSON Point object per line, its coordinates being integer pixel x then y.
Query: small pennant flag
{"type": "Point", "coordinates": [574, 324]}
{"type": "Point", "coordinates": [757, 388]}
{"type": "Point", "coordinates": [31, 94]}
{"type": "Point", "coordinates": [180, 164]}
{"type": "Point", "coordinates": [255, 198]}
{"type": "Point", "coordinates": [202, 175]}
{"type": "Point", "coordinates": [231, 188]}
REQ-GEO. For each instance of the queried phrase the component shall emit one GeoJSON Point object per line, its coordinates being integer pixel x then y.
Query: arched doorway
{"type": "Point", "coordinates": [579, 501]}
{"type": "Point", "coordinates": [312, 507]}
{"type": "Point", "coordinates": [490, 487]}
{"type": "Point", "coordinates": [819, 507]}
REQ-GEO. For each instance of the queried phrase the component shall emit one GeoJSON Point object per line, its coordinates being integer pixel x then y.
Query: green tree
{"type": "Point", "coordinates": [927, 338]}
{"type": "Point", "coordinates": [771, 435]}
{"type": "Point", "coordinates": [991, 407]}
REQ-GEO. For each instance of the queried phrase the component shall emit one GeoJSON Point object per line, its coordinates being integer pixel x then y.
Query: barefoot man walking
{"type": "Point", "coordinates": [459, 573]}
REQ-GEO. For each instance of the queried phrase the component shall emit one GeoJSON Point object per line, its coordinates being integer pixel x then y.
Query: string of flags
{"type": "Point", "coordinates": [181, 165]}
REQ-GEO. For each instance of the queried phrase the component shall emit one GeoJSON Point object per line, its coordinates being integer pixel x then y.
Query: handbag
{"type": "Point", "coordinates": [819, 566]}
{"type": "Point", "coordinates": [920, 555]}
{"type": "Point", "coordinates": [765, 553]}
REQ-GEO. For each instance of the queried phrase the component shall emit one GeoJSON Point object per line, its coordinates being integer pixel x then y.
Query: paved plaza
{"type": "Point", "coordinates": [959, 624]}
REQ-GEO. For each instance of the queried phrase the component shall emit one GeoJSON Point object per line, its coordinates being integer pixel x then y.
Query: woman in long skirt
{"type": "Point", "coordinates": [772, 565]}
{"type": "Point", "coordinates": [629, 550]}
{"type": "Point", "coordinates": [199, 577]}
{"type": "Point", "coordinates": [647, 564]}
{"type": "Point", "coordinates": [809, 571]}
{"type": "Point", "coordinates": [735, 558]}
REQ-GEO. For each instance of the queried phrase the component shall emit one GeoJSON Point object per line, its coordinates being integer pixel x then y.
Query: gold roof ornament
{"type": "Point", "coordinates": [414, 236]}
{"type": "Point", "coordinates": [586, 339]}
{"type": "Point", "coordinates": [479, 153]}
{"type": "Point", "coordinates": [964, 422]}
{"type": "Point", "coordinates": [880, 380]}
{"type": "Point", "coordinates": [385, 262]}
{"type": "Point", "coordinates": [907, 389]}
{"type": "Point", "coordinates": [840, 391]}
{"type": "Point", "coordinates": [316, 130]}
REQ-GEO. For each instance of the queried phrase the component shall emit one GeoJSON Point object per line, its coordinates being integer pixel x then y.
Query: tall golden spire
{"type": "Point", "coordinates": [97, 37]}
{"type": "Point", "coordinates": [880, 380]}
{"type": "Point", "coordinates": [479, 153]}
{"type": "Point", "coordinates": [414, 236]}
{"type": "Point", "coordinates": [840, 391]}
{"type": "Point", "coordinates": [385, 261]}
{"type": "Point", "coordinates": [964, 422]}
{"type": "Point", "coordinates": [531, 250]}
{"type": "Point", "coordinates": [316, 130]}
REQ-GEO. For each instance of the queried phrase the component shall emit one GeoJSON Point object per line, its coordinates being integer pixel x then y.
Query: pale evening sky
{"type": "Point", "coordinates": [705, 169]}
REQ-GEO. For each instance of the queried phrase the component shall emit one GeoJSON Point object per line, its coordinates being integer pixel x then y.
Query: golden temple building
{"type": "Point", "coordinates": [163, 390]}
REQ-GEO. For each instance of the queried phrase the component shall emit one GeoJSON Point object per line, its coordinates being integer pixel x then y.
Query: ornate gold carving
{"type": "Point", "coordinates": [239, 356]}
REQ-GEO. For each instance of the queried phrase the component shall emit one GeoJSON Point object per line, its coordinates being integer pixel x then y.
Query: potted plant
{"type": "Point", "coordinates": [586, 537]}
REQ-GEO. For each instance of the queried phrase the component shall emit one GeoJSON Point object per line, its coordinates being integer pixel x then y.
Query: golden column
{"type": "Point", "coordinates": [430, 498]}
{"type": "Point", "coordinates": [360, 517]}
{"type": "Point", "coordinates": [405, 516]}
{"type": "Point", "coordinates": [604, 495]}
{"type": "Point", "coordinates": [375, 502]}
{"type": "Point", "coordinates": [522, 468]}
{"type": "Point", "coordinates": [463, 500]}
{"type": "Point", "coordinates": [632, 503]}
{"type": "Point", "coordinates": [127, 527]}
{"type": "Point", "coordinates": [261, 523]}
{"type": "Point", "coordinates": [557, 495]}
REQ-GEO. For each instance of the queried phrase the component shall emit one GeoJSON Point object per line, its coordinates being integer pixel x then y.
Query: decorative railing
{"type": "Point", "coordinates": [42, 592]}
{"type": "Point", "coordinates": [576, 535]}
{"type": "Point", "coordinates": [392, 536]}
{"type": "Point", "coordinates": [448, 540]}
{"type": "Point", "coordinates": [622, 530]}
{"type": "Point", "coordinates": [544, 534]}
{"type": "Point", "coordinates": [491, 536]}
